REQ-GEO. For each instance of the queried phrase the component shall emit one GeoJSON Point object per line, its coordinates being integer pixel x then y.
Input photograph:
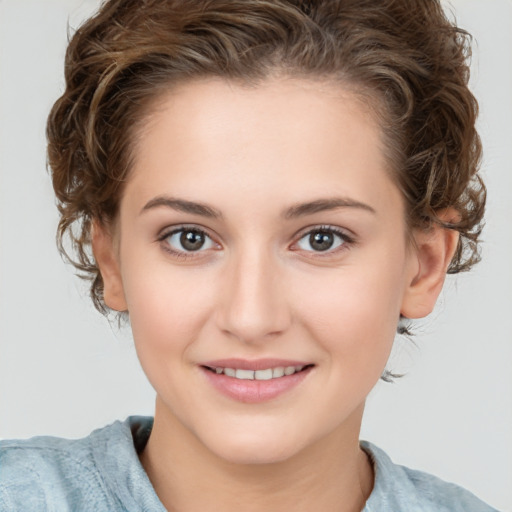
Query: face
{"type": "Point", "coordinates": [262, 256]}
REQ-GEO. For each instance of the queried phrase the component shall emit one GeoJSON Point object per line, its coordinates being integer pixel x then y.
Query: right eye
{"type": "Point", "coordinates": [188, 240]}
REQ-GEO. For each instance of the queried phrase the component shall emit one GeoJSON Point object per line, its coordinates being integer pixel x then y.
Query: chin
{"type": "Point", "coordinates": [256, 447]}
{"type": "Point", "coordinates": [254, 454]}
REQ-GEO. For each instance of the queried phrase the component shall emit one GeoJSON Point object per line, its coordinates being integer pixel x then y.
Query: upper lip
{"type": "Point", "coordinates": [255, 364]}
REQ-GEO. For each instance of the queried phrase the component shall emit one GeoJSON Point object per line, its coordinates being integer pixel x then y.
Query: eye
{"type": "Point", "coordinates": [186, 240]}
{"type": "Point", "coordinates": [322, 240]}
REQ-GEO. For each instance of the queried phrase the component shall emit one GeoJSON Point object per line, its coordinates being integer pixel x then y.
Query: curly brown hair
{"type": "Point", "coordinates": [406, 57]}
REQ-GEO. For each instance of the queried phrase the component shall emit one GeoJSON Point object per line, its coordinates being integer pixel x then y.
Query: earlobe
{"type": "Point", "coordinates": [105, 254]}
{"type": "Point", "coordinates": [433, 251]}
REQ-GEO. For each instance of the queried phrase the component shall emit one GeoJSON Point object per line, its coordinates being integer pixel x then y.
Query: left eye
{"type": "Point", "coordinates": [189, 240]}
{"type": "Point", "coordinates": [321, 240]}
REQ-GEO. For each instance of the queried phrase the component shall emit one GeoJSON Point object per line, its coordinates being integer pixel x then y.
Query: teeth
{"type": "Point", "coordinates": [245, 374]}
{"type": "Point", "coordinates": [277, 372]}
{"type": "Point", "coordinates": [267, 374]}
{"type": "Point", "coordinates": [230, 372]}
{"type": "Point", "coordinates": [263, 374]}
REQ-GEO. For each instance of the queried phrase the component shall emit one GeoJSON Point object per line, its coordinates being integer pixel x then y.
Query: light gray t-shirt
{"type": "Point", "coordinates": [102, 473]}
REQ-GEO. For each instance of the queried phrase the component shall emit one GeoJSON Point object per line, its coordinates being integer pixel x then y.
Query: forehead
{"type": "Point", "coordinates": [285, 107]}
{"type": "Point", "coordinates": [285, 137]}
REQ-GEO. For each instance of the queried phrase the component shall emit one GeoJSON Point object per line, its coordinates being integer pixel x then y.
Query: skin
{"type": "Point", "coordinates": [258, 289]}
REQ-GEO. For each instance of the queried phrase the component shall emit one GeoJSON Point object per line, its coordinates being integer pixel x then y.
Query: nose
{"type": "Point", "coordinates": [253, 306]}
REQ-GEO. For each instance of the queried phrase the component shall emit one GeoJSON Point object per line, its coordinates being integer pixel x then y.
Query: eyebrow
{"type": "Point", "coordinates": [182, 205]}
{"type": "Point", "coordinates": [321, 205]}
{"type": "Point", "coordinates": [298, 210]}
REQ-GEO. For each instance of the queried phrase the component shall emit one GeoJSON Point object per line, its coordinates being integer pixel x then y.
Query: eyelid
{"type": "Point", "coordinates": [345, 233]}
{"type": "Point", "coordinates": [171, 230]}
{"type": "Point", "coordinates": [347, 236]}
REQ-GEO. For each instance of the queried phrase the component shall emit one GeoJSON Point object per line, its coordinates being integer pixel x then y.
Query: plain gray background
{"type": "Point", "coordinates": [65, 371]}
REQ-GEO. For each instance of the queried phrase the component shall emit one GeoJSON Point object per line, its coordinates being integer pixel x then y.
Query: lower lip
{"type": "Point", "coordinates": [254, 391]}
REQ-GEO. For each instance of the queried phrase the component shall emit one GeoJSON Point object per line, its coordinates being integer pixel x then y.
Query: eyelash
{"type": "Point", "coordinates": [346, 240]}
{"type": "Point", "coordinates": [183, 254]}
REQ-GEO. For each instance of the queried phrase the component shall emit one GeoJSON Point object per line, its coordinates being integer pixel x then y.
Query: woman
{"type": "Point", "coordinates": [269, 189]}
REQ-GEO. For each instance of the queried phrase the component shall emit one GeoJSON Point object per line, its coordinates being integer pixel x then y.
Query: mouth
{"type": "Point", "coordinates": [255, 381]}
{"type": "Point", "coordinates": [261, 374]}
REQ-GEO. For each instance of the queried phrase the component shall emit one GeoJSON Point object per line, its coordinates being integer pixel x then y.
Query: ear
{"type": "Point", "coordinates": [105, 254]}
{"type": "Point", "coordinates": [432, 253]}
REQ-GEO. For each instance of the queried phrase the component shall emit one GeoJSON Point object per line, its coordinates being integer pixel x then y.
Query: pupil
{"type": "Point", "coordinates": [192, 240]}
{"type": "Point", "coordinates": [321, 240]}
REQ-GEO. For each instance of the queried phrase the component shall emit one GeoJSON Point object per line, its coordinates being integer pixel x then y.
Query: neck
{"type": "Point", "coordinates": [333, 474]}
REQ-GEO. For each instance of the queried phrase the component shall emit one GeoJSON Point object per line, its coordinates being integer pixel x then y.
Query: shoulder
{"type": "Point", "coordinates": [399, 488]}
{"type": "Point", "coordinates": [50, 473]}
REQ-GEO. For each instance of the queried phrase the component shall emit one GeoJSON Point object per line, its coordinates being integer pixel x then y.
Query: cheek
{"type": "Point", "coordinates": [167, 313]}
{"type": "Point", "coordinates": [353, 313]}
{"type": "Point", "coordinates": [167, 307]}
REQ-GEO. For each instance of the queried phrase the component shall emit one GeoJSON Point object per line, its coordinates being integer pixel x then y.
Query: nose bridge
{"type": "Point", "coordinates": [254, 302]}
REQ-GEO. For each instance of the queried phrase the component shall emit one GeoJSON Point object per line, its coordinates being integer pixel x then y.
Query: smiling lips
{"type": "Point", "coordinates": [267, 374]}
{"type": "Point", "coordinates": [256, 381]}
